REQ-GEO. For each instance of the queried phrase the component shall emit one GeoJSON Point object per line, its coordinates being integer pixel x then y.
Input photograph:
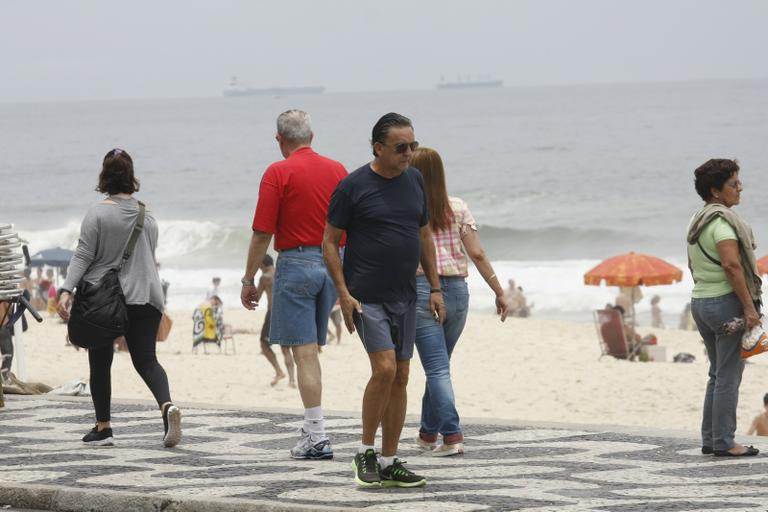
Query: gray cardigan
{"type": "Point", "coordinates": [104, 235]}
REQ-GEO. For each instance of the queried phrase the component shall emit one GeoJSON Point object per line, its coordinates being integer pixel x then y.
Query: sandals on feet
{"type": "Point", "coordinates": [748, 452]}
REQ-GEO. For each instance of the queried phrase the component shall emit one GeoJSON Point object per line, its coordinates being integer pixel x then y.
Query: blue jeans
{"type": "Point", "coordinates": [718, 424]}
{"type": "Point", "coordinates": [302, 298]}
{"type": "Point", "coordinates": [435, 344]}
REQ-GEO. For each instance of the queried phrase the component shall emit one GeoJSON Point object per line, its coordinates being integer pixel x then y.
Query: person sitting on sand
{"type": "Point", "coordinates": [512, 296]}
{"type": "Point", "coordinates": [523, 310]}
{"type": "Point", "coordinates": [515, 299]}
{"type": "Point", "coordinates": [759, 425]}
{"type": "Point", "coordinates": [265, 287]}
{"type": "Point", "coordinates": [634, 340]}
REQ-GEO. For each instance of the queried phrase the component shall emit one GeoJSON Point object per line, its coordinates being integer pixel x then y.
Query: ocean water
{"type": "Point", "coordinates": [558, 178]}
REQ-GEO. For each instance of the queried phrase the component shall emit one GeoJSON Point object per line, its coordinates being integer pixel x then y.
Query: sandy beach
{"type": "Point", "coordinates": [524, 369]}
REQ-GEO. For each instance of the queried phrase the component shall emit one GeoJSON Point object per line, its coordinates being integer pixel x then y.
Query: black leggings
{"type": "Point", "coordinates": [141, 339]}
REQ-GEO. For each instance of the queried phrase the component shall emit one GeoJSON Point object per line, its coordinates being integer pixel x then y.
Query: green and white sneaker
{"type": "Point", "coordinates": [397, 475]}
{"type": "Point", "coordinates": [366, 466]}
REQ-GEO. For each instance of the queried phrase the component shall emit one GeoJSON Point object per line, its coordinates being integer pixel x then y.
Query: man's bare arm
{"type": "Point", "coordinates": [331, 245]}
{"type": "Point", "coordinates": [261, 288]}
{"type": "Point", "coordinates": [256, 252]}
{"type": "Point", "coordinates": [429, 265]}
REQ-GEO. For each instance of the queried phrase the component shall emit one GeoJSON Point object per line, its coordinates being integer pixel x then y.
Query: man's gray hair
{"type": "Point", "coordinates": [295, 126]}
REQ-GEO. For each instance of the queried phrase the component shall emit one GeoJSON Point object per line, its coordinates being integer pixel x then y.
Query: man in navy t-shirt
{"type": "Point", "coordinates": [383, 209]}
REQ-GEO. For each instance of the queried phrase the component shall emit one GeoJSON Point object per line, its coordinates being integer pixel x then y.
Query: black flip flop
{"type": "Point", "coordinates": [750, 451]}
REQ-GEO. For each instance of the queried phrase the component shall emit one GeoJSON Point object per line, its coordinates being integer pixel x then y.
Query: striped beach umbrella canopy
{"type": "Point", "coordinates": [633, 269]}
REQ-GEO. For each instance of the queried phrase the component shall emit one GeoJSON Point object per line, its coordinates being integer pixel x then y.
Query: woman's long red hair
{"type": "Point", "coordinates": [430, 164]}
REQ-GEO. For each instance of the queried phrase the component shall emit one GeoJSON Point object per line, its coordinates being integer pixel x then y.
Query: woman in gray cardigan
{"type": "Point", "coordinates": [104, 235]}
{"type": "Point", "coordinates": [722, 260]}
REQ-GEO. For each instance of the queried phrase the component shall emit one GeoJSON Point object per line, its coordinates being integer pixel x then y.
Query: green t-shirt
{"type": "Point", "coordinates": [709, 277]}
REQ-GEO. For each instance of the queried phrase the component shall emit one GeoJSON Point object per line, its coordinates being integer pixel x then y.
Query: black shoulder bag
{"type": "Point", "coordinates": [706, 254]}
{"type": "Point", "coordinates": [99, 313]}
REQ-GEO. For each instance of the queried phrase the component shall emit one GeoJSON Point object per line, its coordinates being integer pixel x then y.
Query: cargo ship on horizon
{"type": "Point", "coordinates": [235, 89]}
{"type": "Point", "coordinates": [470, 84]}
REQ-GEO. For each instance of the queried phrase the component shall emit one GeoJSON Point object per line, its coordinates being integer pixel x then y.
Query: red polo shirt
{"type": "Point", "coordinates": [294, 196]}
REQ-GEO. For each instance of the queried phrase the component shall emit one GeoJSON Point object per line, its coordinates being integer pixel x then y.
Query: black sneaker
{"type": "Point", "coordinates": [366, 466]}
{"type": "Point", "coordinates": [398, 475]}
{"type": "Point", "coordinates": [98, 437]}
{"type": "Point", "coordinates": [172, 424]}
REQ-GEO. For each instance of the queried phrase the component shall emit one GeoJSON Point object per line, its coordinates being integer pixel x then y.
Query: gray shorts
{"type": "Point", "coordinates": [388, 326]}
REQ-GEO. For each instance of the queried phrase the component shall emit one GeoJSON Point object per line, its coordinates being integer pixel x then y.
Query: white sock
{"type": "Point", "coordinates": [385, 462]}
{"type": "Point", "coordinates": [364, 447]}
{"type": "Point", "coordinates": [314, 422]}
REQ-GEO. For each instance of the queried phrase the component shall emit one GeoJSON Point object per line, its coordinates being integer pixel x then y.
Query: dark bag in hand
{"type": "Point", "coordinates": [99, 313]}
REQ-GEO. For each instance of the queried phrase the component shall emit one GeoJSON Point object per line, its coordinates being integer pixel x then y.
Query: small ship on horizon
{"type": "Point", "coordinates": [469, 83]}
{"type": "Point", "coordinates": [235, 89]}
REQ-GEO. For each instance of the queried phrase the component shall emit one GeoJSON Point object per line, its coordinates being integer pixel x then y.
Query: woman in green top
{"type": "Point", "coordinates": [721, 259]}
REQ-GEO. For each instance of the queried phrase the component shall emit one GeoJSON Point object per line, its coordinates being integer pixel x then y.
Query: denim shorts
{"type": "Point", "coordinates": [302, 298]}
{"type": "Point", "coordinates": [388, 326]}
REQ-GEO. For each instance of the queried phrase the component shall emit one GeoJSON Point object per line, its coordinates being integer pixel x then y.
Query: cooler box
{"type": "Point", "coordinates": [656, 353]}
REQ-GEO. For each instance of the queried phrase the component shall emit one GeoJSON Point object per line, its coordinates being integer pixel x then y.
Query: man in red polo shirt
{"type": "Point", "coordinates": [293, 204]}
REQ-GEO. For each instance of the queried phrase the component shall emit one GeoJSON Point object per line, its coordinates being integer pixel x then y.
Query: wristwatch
{"type": "Point", "coordinates": [435, 290]}
{"type": "Point", "coordinates": [247, 282]}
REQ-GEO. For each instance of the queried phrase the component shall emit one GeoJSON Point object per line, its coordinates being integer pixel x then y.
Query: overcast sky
{"type": "Point", "coordinates": [102, 49]}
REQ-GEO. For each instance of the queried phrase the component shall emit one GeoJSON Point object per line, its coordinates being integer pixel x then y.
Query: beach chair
{"type": "Point", "coordinates": [228, 337]}
{"type": "Point", "coordinates": [610, 332]}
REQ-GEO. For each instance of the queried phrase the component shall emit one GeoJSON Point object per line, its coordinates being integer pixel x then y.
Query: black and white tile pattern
{"type": "Point", "coordinates": [243, 454]}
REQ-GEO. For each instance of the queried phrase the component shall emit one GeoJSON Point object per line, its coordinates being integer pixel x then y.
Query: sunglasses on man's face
{"type": "Point", "coordinates": [403, 147]}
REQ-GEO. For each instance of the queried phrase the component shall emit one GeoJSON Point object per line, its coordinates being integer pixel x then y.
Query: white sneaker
{"type": "Point", "coordinates": [172, 422]}
{"type": "Point", "coordinates": [446, 450]}
{"type": "Point", "coordinates": [307, 447]}
{"type": "Point", "coordinates": [425, 445]}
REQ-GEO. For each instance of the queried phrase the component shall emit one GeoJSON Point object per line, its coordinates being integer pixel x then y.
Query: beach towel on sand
{"type": "Point", "coordinates": [208, 325]}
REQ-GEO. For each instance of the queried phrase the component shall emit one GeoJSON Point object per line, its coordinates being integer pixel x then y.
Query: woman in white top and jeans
{"type": "Point", "coordinates": [455, 236]}
{"type": "Point", "coordinates": [104, 235]}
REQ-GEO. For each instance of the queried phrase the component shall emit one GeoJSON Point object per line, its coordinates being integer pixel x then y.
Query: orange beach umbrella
{"type": "Point", "coordinates": [633, 269]}
{"type": "Point", "coordinates": [762, 265]}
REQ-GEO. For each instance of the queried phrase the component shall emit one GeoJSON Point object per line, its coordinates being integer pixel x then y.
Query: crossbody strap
{"type": "Point", "coordinates": [705, 253]}
{"type": "Point", "coordinates": [137, 229]}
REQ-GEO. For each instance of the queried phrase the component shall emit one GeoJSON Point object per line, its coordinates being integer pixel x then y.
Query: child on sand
{"type": "Point", "coordinates": [53, 301]}
{"type": "Point", "coordinates": [759, 425]}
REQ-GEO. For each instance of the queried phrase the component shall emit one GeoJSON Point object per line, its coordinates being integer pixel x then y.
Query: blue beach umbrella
{"type": "Point", "coordinates": [56, 257]}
